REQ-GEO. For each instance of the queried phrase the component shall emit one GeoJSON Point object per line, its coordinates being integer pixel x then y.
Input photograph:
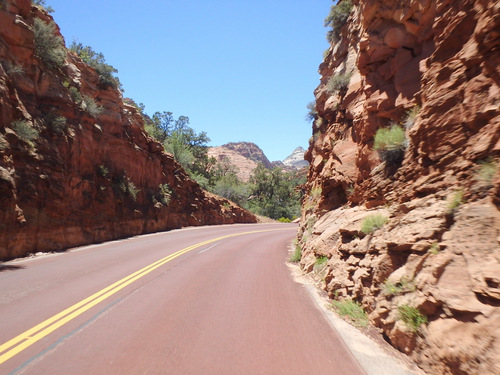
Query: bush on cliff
{"type": "Point", "coordinates": [391, 144]}
{"type": "Point", "coordinates": [25, 131]}
{"type": "Point", "coordinates": [338, 82]}
{"type": "Point", "coordinates": [337, 18]}
{"type": "Point", "coordinates": [49, 47]}
{"type": "Point", "coordinates": [97, 61]}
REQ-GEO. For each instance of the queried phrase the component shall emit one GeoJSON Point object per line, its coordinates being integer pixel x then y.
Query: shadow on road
{"type": "Point", "coordinates": [9, 267]}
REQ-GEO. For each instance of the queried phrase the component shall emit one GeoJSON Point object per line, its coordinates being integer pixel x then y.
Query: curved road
{"type": "Point", "coordinates": [209, 300]}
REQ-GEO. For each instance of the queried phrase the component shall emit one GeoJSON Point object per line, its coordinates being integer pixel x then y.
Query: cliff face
{"type": "Point", "coordinates": [244, 166]}
{"type": "Point", "coordinates": [250, 151]}
{"type": "Point", "coordinates": [433, 68]}
{"type": "Point", "coordinates": [70, 175]}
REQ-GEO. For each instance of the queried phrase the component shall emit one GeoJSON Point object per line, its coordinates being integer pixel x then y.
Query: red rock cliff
{"type": "Point", "coordinates": [70, 176]}
{"type": "Point", "coordinates": [433, 68]}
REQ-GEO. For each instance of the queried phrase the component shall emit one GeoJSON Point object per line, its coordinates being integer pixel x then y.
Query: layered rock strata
{"type": "Point", "coordinates": [76, 165]}
{"type": "Point", "coordinates": [432, 68]}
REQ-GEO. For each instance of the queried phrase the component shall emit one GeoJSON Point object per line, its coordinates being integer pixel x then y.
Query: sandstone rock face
{"type": "Point", "coordinates": [250, 151]}
{"type": "Point", "coordinates": [81, 177]}
{"type": "Point", "coordinates": [243, 165]}
{"type": "Point", "coordinates": [439, 251]}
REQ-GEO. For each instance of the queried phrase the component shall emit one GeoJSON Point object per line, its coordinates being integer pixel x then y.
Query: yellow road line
{"type": "Point", "coordinates": [32, 335]}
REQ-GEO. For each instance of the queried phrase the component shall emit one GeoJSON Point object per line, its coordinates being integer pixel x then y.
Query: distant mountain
{"type": "Point", "coordinates": [245, 156]}
{"type": "Point", "coordinates": [296, 159]}
{"type": "Point", "coordinates": [249, 150]}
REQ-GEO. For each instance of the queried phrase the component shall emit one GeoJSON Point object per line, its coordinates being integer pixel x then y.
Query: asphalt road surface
{"type": "Point", "coordinates": [211, 300]}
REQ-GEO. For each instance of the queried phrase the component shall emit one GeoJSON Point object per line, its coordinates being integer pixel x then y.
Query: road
{"type": "Point", "coordinates": [209, 300]}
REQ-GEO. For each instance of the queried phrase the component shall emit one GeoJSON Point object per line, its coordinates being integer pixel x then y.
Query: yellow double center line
{"type": "Point", "coordinates": [31, 336]}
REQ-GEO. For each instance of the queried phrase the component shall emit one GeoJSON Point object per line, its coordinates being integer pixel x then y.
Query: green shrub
{"type": "Point", "coordinates": [405, 285]}
{"type": "Point", "coordinates": [454, 201]}
{"type": "Point", "coordinates": [391, 144]}
{"type": "Point", "coordinates": [12, 68]}
{"type": "Point", "coordinates": [166, 193]}
{"type": "Point", "coordinates": [103, 171]}
{"type": "Point", "coordinates": [312, 114]}
{"type": "Point", "coordinates": [25, 131]}
{"type": "Point", "coordinates": [321, 261]}
{"type": "Point", "coordinates": [372, 223]}
{"type": "Point", "coordinates": [434, 248]}
{"type": "Point", "coordinates": [91, 107]}
{"type": "Point", "coordinates": [337, 18]}
{"type": "Point", "coordinates": [49, 47]}
{"type": "Point", "coordinates": [351, 310]}
{"type": "Point", "coordinates": [284, 220]}
{"type": "Point", "coordinates": [75, 95]}
{"type": "Point", "coordinates": [411, 117]}
{"type": "Point", "coordinates": [97, 61]}
{"type": "Point", "coordinates": [131, 189]}
{"type": "Point", "coordinates": [485, 172]}
{"type": "Point", "coordinates": [54, 122]}
{"type": "Point", "coordinates": [297, 254]}
{"type": "Point", "coordinates": [411, 317]}
{"type": "Point", "coordinates": [338, 82]}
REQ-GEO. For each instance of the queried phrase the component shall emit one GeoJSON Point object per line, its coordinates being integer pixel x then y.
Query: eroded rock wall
{"type": "Point", "coordinates": [84, 177]}
{"type": "Point", "coordinates": [439, 251]}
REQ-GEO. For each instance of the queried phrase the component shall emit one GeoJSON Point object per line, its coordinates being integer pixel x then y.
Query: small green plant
{"type": "Point", "coordinates": [411, 117]}
{"type": "Point", "coordinates": [54, 122]}
{"type": "Point", "coordinates": [25, 131]}
{"type": "Point", "coordinates": [338, 82]}
{"type": "Point", "coordinates": [284, 220]}
{"type": "Point", "coordinates": [103, 171]}
{"type": "Point", "coordinates": [454, 201]}
{"type": "Point", "coordinates": [166, 193]}
{"type": "Point", "coordinates": [4, 145]}
{"type": "Point", "coordinates": [352, 311]}
{"type": "Point", "coordinates": [12, 68]}
{"type": "Point", "coordinates": [2, 4]}
{"type": "Point", "coordinates": [434, 248]}
{"type": "Point", "coordinates": [337, 18]}
{"type": "Point", "coordinates": [373, 222]}
{"type": "Point", "coordinates": [91, 107]}
{"type": "Point", "coordinates": [391, 144]}
{"type": "Point", "coordinates": [412, 317]}
{"type": "Point", "coordinates": [485, 172]}
{"type": "Point", "coordinates": [75, 95]}
{"type": "Point", "coordinates": [312, 114]}
{"type": "Point", "coordinates": [321, 261]}
{"type": "Point", "coordinates": [132, 189]}
{"type": "Point", "coordinates": [297, 254]}
{"type": "Point", "coordinates": [49, 47]}
{"type": "Point", "coordinates": [404, 285]}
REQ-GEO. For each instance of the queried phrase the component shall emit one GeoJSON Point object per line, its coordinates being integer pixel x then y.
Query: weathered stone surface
{"type": "Point", "coordinates": [441, 60]}
{"type": "Point", "coordinates": [88, 179]}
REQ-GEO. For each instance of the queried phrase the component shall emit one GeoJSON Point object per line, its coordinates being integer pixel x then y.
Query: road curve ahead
{"type": "Point", "coordinates": [210, 300]}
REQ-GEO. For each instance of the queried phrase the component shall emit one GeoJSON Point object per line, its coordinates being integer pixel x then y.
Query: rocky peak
{"type": "Point", "coordinates": [249, 150]}
{"type": "Point", "coordinates": [296, 159]}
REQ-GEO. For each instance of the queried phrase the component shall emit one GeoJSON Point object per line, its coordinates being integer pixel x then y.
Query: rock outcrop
{"type": "Point", "coordinates": [250, 151]}
{"type": "Point", "coordinates": [427, 270]}
{"type": "Point", "coordinates": [296, 159]}
{"type": "Point", "coordinates": [243, 166]}
{"type": "Point", "coordinates": [76, 165]}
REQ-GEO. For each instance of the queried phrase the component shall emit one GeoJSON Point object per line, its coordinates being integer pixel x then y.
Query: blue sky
{"type": "Point", "coordinates": [241, 70]}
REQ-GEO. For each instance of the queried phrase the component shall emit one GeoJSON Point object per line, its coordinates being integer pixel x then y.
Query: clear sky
{"type": "Point", "coordinates": [241, 70]}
